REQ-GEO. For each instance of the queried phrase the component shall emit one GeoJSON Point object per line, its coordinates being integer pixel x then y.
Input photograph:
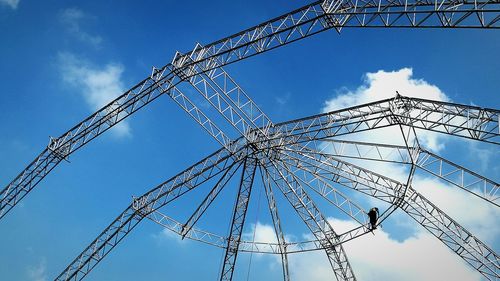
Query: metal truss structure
{"type": "Point", "coordinates": [300, 156]}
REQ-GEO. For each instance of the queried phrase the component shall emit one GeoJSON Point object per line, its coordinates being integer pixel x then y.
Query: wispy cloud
{"type": "Point", "coordinates": [11, 3]}
{"type": "Point", "coordinates": [72, 18]}
{"type": "Point", "coordinates": [283, 99]}
{"type": "Point", "coordinates": [167, 235]}
{"type": "Point", "coordinates": [98, 85]}
{"type": "Point", "coordinates": [38, 272]}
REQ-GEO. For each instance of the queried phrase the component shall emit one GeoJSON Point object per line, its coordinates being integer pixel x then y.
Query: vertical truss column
{"type": "Point", "coordinates": [313, 218]}
{"type": "Point", "coordinates": [239, 215]}
{"type": "Point", "coordinates": [277, 224]}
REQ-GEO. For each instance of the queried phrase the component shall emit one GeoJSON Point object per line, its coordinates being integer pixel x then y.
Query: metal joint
{"type": "Point", "coordinates": [60, 149]}
{"type": "Point", "coordinates": [142, 206]}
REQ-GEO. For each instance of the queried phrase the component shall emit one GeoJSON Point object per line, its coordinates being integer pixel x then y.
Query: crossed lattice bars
{"type": "Point", "coordinates": [298, 156]}
{"type": "Point", "coordinates": [314, 164]}
{"type": "Point", "coordinates": [293, 162]}
{"type": "Point", "coordinates": [277, 32]}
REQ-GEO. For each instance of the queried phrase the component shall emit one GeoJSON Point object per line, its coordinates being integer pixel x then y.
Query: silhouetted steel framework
{"type": "Point", "coordinates": [297, 156]}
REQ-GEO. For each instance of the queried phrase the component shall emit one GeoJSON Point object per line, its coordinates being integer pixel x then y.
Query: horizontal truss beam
{"type": "Point", "coordinates": [470, 122]}
{"type": "Point", "coordinates": [292, 247]}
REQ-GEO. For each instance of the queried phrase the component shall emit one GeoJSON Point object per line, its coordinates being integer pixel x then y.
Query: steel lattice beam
{"type": "Point", "coordinates": [251, 246]}
{"type": "Point", "coordinates": [312, 19]}
{"type": "Point", "coordinates": [454, 119]}
{"type": "Point", "coordinates": [161, 195]}
{"type": "Point", "coordinates": [287, 28]}
{"type": "Point", "coordinates": [313, 218]}
{"type": "Point", "coordinates": [361, 150]}
{"type": "Point", "coordinates": [459, 176]}
{"type": "Point", "coordinates": [221, 183]}
{"type": "Point", "coordinates": [238, 220]}
{"type": "Point", "coordinates": [205, 61]}
{"type": "Point", "coordinates": [448, 231]}
{"type": "Point", "coordinates": [280, 237]}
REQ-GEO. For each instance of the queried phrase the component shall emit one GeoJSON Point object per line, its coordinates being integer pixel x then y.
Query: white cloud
{"type": "Point", "coordinates": [468, 210]}
{"type": "Point", "coordinates": [378, 257]}
{"type": "Point", "coordinates": [283, 99]}
{"type": "Point", "coordinates": [485, 155]}
{"type": "Point", "coordinates": [98, 85]}
{"type": "Point", "coordinates": [381, 85]}
{"type": "Point", "coordinates": [38, 272]}
{"type": "Point", "coordinates": [420, 256]}
{"type": "Point", "coordinates": [72, 19]}
{"type": "Point", "coordinates": [11, 3]}
{"type": "Point", "coordinates": [168, 235]}
{"type": "Point", "coordinates": [262, 232]}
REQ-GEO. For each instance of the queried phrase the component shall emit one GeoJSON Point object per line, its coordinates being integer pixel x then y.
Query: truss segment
{"type": "Point", "coordinates": [362, 150]}
{"type": "Point", "coordinates": [280, 237]}
{"type": "Point", "coordinates": [467, 121]}
{"type": "Point", "coordinates": [448, 231]}
{"type": "Point", "coordinates": [425, 160]}
{"type": "Point", "coordinates": [94, 125]}
{"type": "Point", "coordinates": [271, 34]}
{"type": "Point", "coordinates": [250, 246]}
{"type": "Point", "coordinates": [142, 206]}
{"type": "Point", "coordinates": [221, 183]}
{"type": "Point", "coordinates": [459, 176]}
{"type": "Point", "coordinates": [317, 17]}
{"type": "Point", "coordinates": [313, 218]}
{"type": "Point", "coordinates": [192, 110]}
{"type": "Point", "coordinates": [454, 119]}
{"type": "Point", "coordinates": [238, 220]}
{"type": "Point", "coordinates": [208, 91]}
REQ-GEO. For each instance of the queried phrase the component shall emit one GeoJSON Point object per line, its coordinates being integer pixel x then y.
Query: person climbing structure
{"type": "Point", "coordinates": [373, 215]}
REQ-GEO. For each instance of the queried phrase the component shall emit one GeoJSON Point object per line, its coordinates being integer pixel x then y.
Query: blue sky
{"type": "Point", "coordinates": [61, 60]}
